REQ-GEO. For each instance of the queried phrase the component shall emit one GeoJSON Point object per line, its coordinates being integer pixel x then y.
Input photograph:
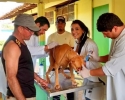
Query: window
{"type": "Point", "coordinates": [50, 16]}
{"type": "Point", "coordinates": [66, 11]}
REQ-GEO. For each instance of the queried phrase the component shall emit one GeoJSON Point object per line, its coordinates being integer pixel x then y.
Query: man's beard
{"type": "Point", "coordinates": [60, 30]}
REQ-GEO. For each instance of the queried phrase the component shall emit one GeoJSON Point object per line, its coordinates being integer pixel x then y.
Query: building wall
{"type": "Point", "coordinates": [119, 8]}
{"type": "Point", "coordinates": [97, 3]}
{"type": "Point", "coordinates": [115, 6]}
{"type": "Point", "coordinates": [84, 13]}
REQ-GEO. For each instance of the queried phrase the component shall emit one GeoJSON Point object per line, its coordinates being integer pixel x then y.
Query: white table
{"type": "Point", "coordinates": [52, 92]}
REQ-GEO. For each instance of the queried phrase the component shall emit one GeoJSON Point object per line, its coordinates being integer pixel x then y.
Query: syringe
{"type": "Point", "coordinates": [88, 55]}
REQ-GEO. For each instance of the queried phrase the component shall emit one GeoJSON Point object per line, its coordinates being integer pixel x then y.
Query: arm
{"type": "Point", "coordinates": [34, 47]}
{"type": "Point", "coordinates": [114, 65]}
{"type": "Point", "coordinates": [38, 50]}
{"type": "Point", "coordinates": [94, 72]}
{"type": "Point", "coordinates": [103, 59]}
{"type": "Point", "coordinates": [91, 46]}
{"type": "Point", "coordinates": [40, 80]}
{"type": "Point", "coordinates": [11, 64]}
{"type": "Point", "coordinates": [97, 72]}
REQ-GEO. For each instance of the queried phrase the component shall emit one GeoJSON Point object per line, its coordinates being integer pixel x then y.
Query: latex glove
{"type": "Point", "coordinates": [84, 73]}
{"type": "Point", "coordinates": [93, 56]}
{"type": "Point", "coordinates": [52, 45]}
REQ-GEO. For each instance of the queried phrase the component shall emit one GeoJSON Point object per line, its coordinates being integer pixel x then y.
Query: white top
{"type": "Point", "coordinates": [90, 45]}
{"type": "Point", "coordinates": [3, 81]}
{"type": "Point", "coordinates": [35, 49]}
{"type": "Point", "coordinates": [64, 38]}
{"type": "Point", "coordinates": [115, 69]}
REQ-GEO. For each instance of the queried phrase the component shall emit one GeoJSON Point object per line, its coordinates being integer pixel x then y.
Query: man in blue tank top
{"type": "Point", "coordinates": [17, 60]}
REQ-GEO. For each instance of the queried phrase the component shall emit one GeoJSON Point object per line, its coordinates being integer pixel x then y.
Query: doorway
{"type": "Point", "coordinates": [102, 42]}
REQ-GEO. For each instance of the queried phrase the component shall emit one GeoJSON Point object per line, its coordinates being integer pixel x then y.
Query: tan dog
{"type": "Point", "coordinates": [60, 57]}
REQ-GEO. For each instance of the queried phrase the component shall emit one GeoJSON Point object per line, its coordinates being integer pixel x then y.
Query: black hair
{"type": "Point", "coordinates": [84, 37]}
{"type": "Point", "coordinates": [107, 21]}
{"type": "Point", "coordinates": [42, 20]}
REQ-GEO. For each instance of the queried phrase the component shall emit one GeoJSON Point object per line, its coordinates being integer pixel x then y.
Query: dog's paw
{"type": "Point", "coordinates": [57, 87]}
{"type": "Point", "coordinates": [68, 77]}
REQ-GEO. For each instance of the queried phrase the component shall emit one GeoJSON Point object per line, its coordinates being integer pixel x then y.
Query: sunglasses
{"type": "Point", "coordinates": [28, 29]}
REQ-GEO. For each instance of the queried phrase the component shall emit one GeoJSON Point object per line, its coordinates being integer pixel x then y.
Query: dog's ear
{"type": "Point", "coordinates": [84, 63]}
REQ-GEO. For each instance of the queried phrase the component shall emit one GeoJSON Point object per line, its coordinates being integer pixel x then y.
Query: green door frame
{"type": "Point", "coordinates": [102, 42]}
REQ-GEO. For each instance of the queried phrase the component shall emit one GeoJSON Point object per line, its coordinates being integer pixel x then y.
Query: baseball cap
{"type": "Point", "coordinates": [60, 18]}
{"type": "Point", "coordinates": [26, 20]}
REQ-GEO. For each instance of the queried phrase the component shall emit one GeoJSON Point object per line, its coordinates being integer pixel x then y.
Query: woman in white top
{"type": "Point", "coordinates": [84, 45]}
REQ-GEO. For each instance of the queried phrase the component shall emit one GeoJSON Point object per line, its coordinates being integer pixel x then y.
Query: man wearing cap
{"type": "Point", "coordinates": [17, 60]}
{"type": "Point", "coordinates": [35, 49]}
{"type": "Point", "coordinates": [62, 37]}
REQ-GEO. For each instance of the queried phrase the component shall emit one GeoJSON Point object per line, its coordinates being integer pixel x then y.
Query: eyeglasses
{"type": "Point", "coordinates": [28, 29]}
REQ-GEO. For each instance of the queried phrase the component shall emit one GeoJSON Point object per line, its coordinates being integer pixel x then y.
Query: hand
{"type": "Point", "coordinates": [43, 83]}
{"type": "Point", "coordinates": [52, 45]}
{"type": "Point", "coordinates": [93, 55]}
{"type": "Point", "coordinates": [84, 72]}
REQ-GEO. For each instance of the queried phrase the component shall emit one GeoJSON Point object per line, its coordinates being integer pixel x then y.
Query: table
{"type": "Point", "coordinates": [51, 92]}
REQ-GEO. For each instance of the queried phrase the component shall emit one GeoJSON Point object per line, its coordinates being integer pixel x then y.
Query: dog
{"type": "Point", "coordinates": [60, 57]}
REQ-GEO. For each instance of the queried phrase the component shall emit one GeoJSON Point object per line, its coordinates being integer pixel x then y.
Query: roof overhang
{"type": "Point", "coordinates": [28, 6]}
{"type": "Point", "coordinates": [21, 9]}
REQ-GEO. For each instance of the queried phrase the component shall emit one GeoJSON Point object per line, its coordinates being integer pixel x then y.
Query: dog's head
{"type": "Point", "coordinates": [77, 62]}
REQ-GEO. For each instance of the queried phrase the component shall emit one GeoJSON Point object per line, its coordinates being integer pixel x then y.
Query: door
{"type": "Point", "coordinates": [102, 42]}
